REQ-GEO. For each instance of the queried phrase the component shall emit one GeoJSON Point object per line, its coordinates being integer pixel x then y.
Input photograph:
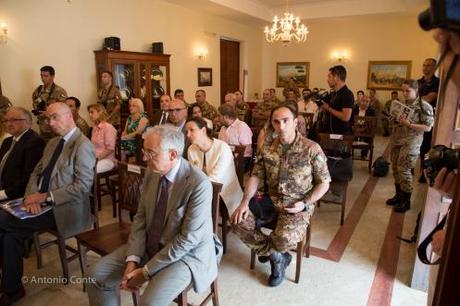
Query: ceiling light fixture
{"type": "Point", "coordinates": [286, 29]}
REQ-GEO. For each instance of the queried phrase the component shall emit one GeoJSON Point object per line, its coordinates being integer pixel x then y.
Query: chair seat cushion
{"type": "Point", "coordinates": [105, 239]}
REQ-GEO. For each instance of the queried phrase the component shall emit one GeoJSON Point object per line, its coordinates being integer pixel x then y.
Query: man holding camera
{"type": "Point", "coordinates": [337, 111]}
{"type": "Point", "coordinates": [43, 96]}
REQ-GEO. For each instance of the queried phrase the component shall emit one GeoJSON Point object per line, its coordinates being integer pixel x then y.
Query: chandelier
{"type": "Point", "coordinates": [286, 29]}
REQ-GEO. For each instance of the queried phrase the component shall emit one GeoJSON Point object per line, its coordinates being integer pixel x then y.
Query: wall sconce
{"type": "Point", "coordinates": [340, 56]}
{"type": "Point", "coordinates": [3, 33]}
{"type": "Point", "coordinates": [202, 54]}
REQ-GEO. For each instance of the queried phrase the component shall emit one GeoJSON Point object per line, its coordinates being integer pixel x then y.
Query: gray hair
{"type": "Point", "coordinates": [27, 114]}
{"type": "Point", "coordinates": [171, 137]}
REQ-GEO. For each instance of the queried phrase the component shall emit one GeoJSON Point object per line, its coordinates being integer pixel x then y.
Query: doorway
{"type": "Point", "coordinates": [229, 67]}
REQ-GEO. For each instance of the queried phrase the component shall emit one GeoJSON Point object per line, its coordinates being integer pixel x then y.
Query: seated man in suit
{"type": "Point", "coordinates": [19, 154]}
{"type": "Point", "coordinates": [178, 113]}
{"type": "Point", "coordinates": [161, 116]}
{"type": "Point", "coordinates": [363, 109]}
{"type": "Point", "coordinates": [63, 179]}
{"type": "Point", "coordinates": [171, 244]}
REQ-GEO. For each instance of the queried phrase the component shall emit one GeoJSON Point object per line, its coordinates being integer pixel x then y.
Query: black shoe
{"type": "Point", "coordinates": [11, 298]}
{"type": "Point", "coordinates": [396, 198]}
{"type": "Point", "coordinates": [263, 259]}
{"type": "Point", "coordinates": [422, 179]}
{"type": "Point", "coordinates": [279, 262]}
{"type": "Point", "coordinates": [404, 204]}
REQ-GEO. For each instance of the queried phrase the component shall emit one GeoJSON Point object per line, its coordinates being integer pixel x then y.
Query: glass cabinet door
{"type": "Point", "coordinates": [123, 75]}
{"type": "Point", "coordinates": [158, 79]}
{"type": "Point", "coordinates": [143, 81]}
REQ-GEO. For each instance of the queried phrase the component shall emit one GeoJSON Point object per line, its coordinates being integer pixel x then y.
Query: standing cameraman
{"type": "Point", "coordinates": [337, 111]}
{"type": "Point", "coordinates": [44, 95]}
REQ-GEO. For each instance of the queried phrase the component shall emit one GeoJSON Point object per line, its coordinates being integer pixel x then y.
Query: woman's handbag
{"type": "Point", "coordinates": [340, 166]}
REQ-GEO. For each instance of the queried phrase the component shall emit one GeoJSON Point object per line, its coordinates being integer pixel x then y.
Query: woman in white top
{"type": "Point", "coordinates": [215, 158]}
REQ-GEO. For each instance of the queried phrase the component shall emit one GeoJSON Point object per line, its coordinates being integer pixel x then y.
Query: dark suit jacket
{"type": "Point", "coordinates": [20, 162]}
{"type": "Point", "coordinates": [156, 117]}
{"type": "Point", "coordinates": [70, 182]}
{"type": "Point", "coordinates": [370, 112]}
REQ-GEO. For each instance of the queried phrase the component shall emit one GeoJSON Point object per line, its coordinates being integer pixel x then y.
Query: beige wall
{"type": "Point", "coordinates": [54, 32]}
{"type": "Point", "coordinates": [367, 38]}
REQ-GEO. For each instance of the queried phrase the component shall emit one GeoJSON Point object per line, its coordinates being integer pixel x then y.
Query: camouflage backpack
{"type": "Point", "coordinates": [380, 166]}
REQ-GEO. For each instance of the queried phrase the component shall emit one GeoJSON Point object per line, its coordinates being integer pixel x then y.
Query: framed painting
{"type": "Point", "coordinates": [204, 77]}
{"type": "Point", "coordinates": [298, 71]}
{"type": "Point", "coordinates": [387, 75]}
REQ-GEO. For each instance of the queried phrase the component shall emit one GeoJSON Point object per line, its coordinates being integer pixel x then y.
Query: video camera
{"type": "Point", "coordinates": [319, 96]}
{"type": "Point", "coordinates": [41, 107]}
{"type": "Point", "coordinates": [437, 158]}
{"type": "Point", "coordinates": [443, 14]}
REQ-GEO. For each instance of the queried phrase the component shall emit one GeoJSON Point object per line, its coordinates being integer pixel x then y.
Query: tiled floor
{"type": "Point", "coordinates": [347, 281]}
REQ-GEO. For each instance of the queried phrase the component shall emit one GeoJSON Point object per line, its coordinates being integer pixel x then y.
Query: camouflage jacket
{"type": "Point", "coordinates": [291, 172]}
{"type": "Point", "coordinates": [110, 98]}
{"type": "Point", "coordinates": [242, 109]}
{"type": "Point", "coordinates": [261, 113]}
{"type": "Point", "coordinates": [54, 92]}
{"type": "Point", "coordinates": [422, 114]}
{"type": "Point", "coordinates": [83, 126]}
{"type": "Point", "coordinates": [207, 110]}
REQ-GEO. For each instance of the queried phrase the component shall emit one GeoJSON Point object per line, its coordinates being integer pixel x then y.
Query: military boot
{"type": "Point", "coordinates": [404, 204]}
{"type": "Point", "coordinates": [396, 198]}
{"type": "Point", "coordinates": [279, 262]}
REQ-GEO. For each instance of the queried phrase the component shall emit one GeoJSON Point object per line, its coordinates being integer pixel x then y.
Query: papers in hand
{"type": "Point", "coordinates": [400, 111]}
{"type": "Point", "coordinates": [16, 208]}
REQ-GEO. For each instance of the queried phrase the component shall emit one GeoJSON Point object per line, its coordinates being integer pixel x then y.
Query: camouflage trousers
{"type": "Point", "coordinates": [403, 160]}
{"type": "Point", "coordinates": [290, 229]}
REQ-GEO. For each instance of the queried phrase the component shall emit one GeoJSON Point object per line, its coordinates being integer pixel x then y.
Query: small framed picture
{"type": "Point", "coordinates": [204, 77]}
{"type": "Point", "coordinates": [298, 71]}
{"type": "Point", "coordinates": [387, 75]}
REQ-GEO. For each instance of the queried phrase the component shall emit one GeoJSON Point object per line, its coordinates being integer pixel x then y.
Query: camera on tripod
{"type": "Point", "coordinates": [437, 158]}
{"type": "Point", "coordinates": [319, 96]}
{"type": "Point", "coordinates": [441, 14]}
{"type": "Point", "coordinates": [41, 107]}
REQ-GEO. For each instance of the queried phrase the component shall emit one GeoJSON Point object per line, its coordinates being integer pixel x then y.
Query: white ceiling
{"type": "Point", "coordinates": [262, 11]}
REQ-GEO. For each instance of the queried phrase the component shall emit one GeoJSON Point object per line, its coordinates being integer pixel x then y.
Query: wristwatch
{"type": "Point", "coordinates": [49, 199]}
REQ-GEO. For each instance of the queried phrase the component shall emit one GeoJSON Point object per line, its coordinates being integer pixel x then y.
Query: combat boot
{"type": "Point", "coordinates": [404, 204]}
{"type": "Point", "coordinates": [396, 198]}
{"type": "Point", "coordinates": [279, 262]}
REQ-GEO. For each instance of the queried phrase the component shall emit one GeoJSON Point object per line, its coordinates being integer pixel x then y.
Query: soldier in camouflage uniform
{"type": "Point", "coordinates": [74, 104]}
{"type": "Point", "coordinates": [109, 96]}
{"type": "Point", "coordinates": [295, 171]}
{"type": "Point", "coordinates": [207, 110]}
{"type": "Point", "coordinates": [406, 140]}
{"type": "Point", "coordinates": [242, 108]}
{"type": "Point", "coordinates": [261, 112]}
{"type": "Point", "coordinates": [43, 96]}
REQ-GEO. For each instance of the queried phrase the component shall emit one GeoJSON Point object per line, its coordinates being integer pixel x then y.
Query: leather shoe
{"type": "Point", "coordinates": [263, 259]}
{"type": "Point", "coordinates": [11, 298]}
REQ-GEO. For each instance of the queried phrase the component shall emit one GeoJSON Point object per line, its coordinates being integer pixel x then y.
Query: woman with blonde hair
{"type": "Point", "coordinates": [103, 137]}
{"type": "Point", "coordinates": [135, 125]}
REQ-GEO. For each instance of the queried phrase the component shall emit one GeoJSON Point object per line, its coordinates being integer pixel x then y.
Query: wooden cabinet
{"type": "Point", "coordinates": [137, 74]}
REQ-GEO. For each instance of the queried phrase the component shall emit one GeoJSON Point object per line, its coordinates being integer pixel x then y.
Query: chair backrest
{"type": "Point", "coordinates": [238, 155]}
{"type": "Point", "coordinates": [308, 120]}
{"type": "Point", "coordinates": [139, 146]}
{"type": "Point", "coordinates": [94, 201]}
{"type": "Point", "coordinates": [216, 189]}
{"type": "Point", "coordinates": [337, 143]}
{"type": "Point", "coordinates": [118, 146]}
{"type": "Point", "coordinates": [364, 126]}
{"type": "Point", "coordinates": [130, 180]}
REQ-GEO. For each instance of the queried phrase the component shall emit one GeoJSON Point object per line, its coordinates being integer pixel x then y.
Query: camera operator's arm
{"type": "Point", "coordinates": [344, 114]}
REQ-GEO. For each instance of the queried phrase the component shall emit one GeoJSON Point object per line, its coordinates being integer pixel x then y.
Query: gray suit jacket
{"type": "Point", "coordinates": [70, 182]}
{"type": "Point", "coordinates": [188, 231]}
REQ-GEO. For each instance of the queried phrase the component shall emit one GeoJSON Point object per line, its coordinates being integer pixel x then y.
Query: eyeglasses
{"type": "Point", "coordinates": [175, 110]}
{"type": "Point", "coordinates": [149, 154]}
{"type": "Point", "coordinates": [13, 120]}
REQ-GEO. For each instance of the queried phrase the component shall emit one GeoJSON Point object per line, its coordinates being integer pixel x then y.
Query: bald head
{"type": "Point", "coordinates": [60, 118]}
{"type": "Point", "coordinates": [230, 99]}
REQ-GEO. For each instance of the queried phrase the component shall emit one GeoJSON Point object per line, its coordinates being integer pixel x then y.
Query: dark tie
{"type": "Point", "coordinates": [163, 118]}
{"type": "Point", "coordinates": [154, 234]}
{"type": "Point", "coordinates": [46, 174]}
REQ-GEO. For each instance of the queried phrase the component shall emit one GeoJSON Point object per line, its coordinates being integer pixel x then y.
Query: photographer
{"type": "Point", "coordinates": [43, 96]}
{"type": "Point", "coordinates": [337, 111]}
{"type": "Point", "coordinates": [405, 143]}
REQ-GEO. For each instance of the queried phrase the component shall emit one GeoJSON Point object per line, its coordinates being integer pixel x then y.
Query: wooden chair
{"type": "Point", "coordinates": [182, 299]}
{"type": "Point", "coordinates": [59, 240]}
{"type": "Point", "coordinates": [238, 155]}
{"type": "Point", "coordinates": [106, 239]}
{"type": "Point", "coordinates": [364, 132]}
{"type": "Point", "coordinates": [303, 248]}
{"type": "Point", "coordinates": [337, 193]}
{"type": "Point", "coordinates": [104, 187]}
